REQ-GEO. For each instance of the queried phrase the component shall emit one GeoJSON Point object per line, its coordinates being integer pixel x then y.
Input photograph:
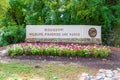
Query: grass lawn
{"type": "Point", "coordinates": [24, 71]}
{"type": "Point", "coordinates": [15, 71]}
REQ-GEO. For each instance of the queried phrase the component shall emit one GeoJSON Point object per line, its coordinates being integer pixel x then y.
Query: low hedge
{"type": "Point", "coordinates": [59, 50]}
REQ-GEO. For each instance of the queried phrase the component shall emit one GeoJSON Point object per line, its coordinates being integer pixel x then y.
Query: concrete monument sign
{"type": "Point", "coordinates": [63, 33]}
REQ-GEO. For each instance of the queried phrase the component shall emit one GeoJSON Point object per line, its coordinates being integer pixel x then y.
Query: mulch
{"type": "Point", "coordinates": [111, 62]}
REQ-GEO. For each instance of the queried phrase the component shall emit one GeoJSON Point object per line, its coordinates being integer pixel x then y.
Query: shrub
{"type": "Point", "coordinates": [11, 34]}
{"type": "Point", "coordinates": [57, 50]}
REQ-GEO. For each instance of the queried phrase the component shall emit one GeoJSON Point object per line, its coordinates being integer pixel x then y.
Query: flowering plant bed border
{"type": "Point", "coordinates": [60, 49]}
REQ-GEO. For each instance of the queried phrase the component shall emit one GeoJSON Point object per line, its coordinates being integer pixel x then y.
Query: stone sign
{"type": "Point", "coordinates": [63, 33]}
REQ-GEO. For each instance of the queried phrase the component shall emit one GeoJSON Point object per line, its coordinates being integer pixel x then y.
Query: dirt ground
{"type": "Point", "coordinates": [111, 62]}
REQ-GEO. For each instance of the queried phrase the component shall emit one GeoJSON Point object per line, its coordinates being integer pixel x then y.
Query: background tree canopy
{"type": "Point", "coordinates": [16, 14]}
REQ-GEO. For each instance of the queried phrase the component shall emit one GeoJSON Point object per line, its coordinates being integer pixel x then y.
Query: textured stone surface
{"type": "Point", "coordinates": [109, 72]}
{"type": "Point", "coordinates": [101, 70]}
{"type": "Point", "coordinates": [115, 71]}
{"type": "Point", "coordinates": [84, 74]}
{"type": "Point", "coordinates": [118, 69]}
{"type": "Point", "coordinates": [109, 75]}
{"type": "Point", "coordinates": [65, 40]}
{"type": "Point", "coordinates": [103, 74]}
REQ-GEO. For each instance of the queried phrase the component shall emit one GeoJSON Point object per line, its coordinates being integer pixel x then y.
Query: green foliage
{"type": "Point", "coordinates": [15, 12]}
{"type": "Point", "coordinates": [93, 12]}
{"type": "Point", "coordinates": [35, 50]}
{"type": "Point", "coordinates": [11, 34]}
{"type": "Point", "coordinates": [54, 50]}
{"type": "Point", "coordinates": [3, 7]}
{"type": "Point", "coordinates": [16, 50]}
{"type": "Point", "coordinates": [27, 50]}
{"type": "Point", "coordinates": [61, 12]}
{"type": "Point", "coordinates": [80, 53]}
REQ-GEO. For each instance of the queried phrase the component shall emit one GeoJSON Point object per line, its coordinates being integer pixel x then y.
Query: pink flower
{"type": "Point", "coordinates": [92, 53]}
{"type": "Point", "coordinates": [24, 44]}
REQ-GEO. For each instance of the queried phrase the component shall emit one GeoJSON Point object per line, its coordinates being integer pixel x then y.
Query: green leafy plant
{"type": "Point", "coordinates": [54, 50]}
{"type": "Point", "coordinates": [59, 52]}
{"type": "Point", "coordinates": [80, 53]}
{"type": "Point", "coordinates": [27, 50]}
{"type": "Point", "coordinates": [35, 50]}
{"type": "Point", "coordinates": [12, 34]}
{"type": "Point", "coordinates": [15, 50]}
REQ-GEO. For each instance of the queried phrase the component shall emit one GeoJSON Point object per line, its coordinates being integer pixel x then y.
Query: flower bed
{"type": "Point", "coordinates": [59, 50]}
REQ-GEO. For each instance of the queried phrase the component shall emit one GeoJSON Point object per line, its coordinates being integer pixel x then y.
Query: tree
{"type": "Point", "coordinates": [61, 12]}
{"type": "Point", "coordinates": [3, 9]}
